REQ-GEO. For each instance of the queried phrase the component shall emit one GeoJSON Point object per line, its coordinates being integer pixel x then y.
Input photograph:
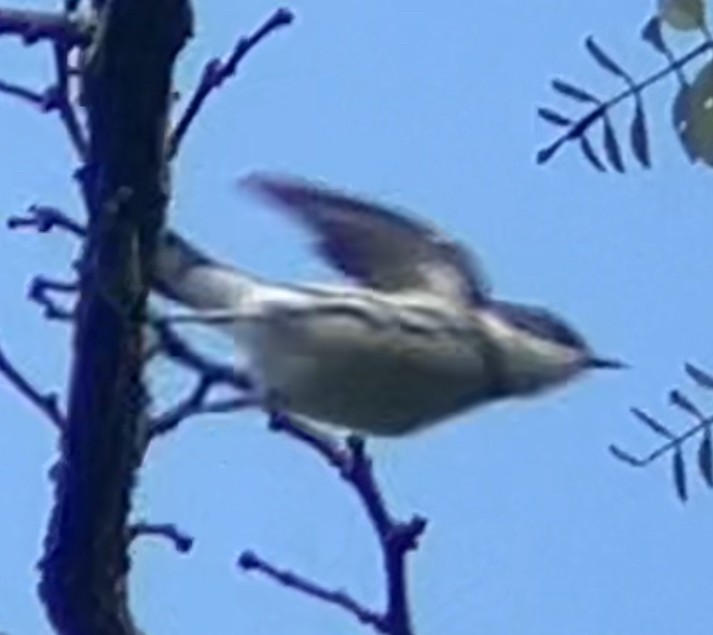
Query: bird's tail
{"type": "Point", "coordinates": [186, 275]}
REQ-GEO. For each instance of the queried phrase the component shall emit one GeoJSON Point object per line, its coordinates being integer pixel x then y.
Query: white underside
{"type": "Point", "coordinates": [381, 363]}
{"type": "Point", "coordinates": [314, 354]}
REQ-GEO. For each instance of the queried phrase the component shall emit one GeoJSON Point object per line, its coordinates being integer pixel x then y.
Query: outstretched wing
{"type": "Point", "coordinates": [380, 247]}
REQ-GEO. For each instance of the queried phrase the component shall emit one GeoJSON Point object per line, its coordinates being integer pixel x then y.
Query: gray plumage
{"type": "Point", "coordinates": [420, 338]}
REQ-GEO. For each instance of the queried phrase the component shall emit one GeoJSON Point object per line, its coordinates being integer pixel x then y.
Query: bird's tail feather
{"type": "Point", "coordinates": [186, 275]}
{"type": "Point", "coordinates": [204, 316]}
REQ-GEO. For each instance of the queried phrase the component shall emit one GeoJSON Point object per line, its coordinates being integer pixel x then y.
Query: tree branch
{"type": "Point", "coordinates": [396, 538]}
{"type": "Point", "coordinates": [197, 403]}
{"type": "Point", "coordinates": [127, 85]}
{"type": "Point", "coordinates": [35, 26]}
{"type": "Point", "coordinates": [575, 130]}
{"type": "Point", "coordinates": [44, 219]}
{"type": "Point", "coordinates": [45, 402]}
{"type": "Point", "coordinates": [181, 541]}
{"type": "Point", "coordinates": [216, 72]}
{"type": "Point", "coordinates": [673, 442]}
{"type": "Point", "coordinates": [178, 349]}
{"type": "Point", "coordinates": [33, 97]}
{"type": "Point", "coordinates": [62, 102]}
{"type": "Point", "coordinates": [41, 290]}
{"type": "Point", "coordinates": [250, 561]}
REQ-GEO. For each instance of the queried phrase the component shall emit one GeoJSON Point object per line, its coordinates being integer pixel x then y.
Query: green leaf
{"type": "Point", "coordinates": [639, 136]}
{"type": "Point", "coordinates": [681, 124]}
{"type": "Point", "coordinates": [705, 458]}
{"type": "Point", "coordinates": [590, 155]}
{"type": "Point", "coordinates": [702, 378]}
{"type": "Point", "coordinates": [625, 456]}
{"type": "Point", "coordinates": [611, 146]}
{"type": "Point", "coordinates": [678, 399]}
{"type": "Point", "coordinates": [605, 61]}
{"type": "Point", "coordinates": [652, 423]}
{"type": "Point", "coordinates": [553, 117]}
{"type": "Point", "coordinates": [682, 15]}
{"type": "Point", "coordinates": [693, 115]}
{"type": "Point", "coordinates": [651, 33]}
{"type": "Point", "coordinates": [679, 475]}
{"type": "Point", "coordinates": [574, 92]}
{"type": "Point", "coordinates": [545, 154]}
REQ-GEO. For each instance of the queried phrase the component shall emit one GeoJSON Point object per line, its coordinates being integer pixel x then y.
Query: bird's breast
{"type": "Point", "coordinates": [375, 367]}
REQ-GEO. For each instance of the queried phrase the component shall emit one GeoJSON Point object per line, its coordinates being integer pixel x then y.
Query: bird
{"type": "Point", "coordinates": [414, 337]}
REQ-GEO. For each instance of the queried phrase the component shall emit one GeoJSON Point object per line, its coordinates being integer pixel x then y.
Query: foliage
{"type": "Point", "coordinates": [692, 121]}
{"type": "Point", "coordinates": [691, 107]}
{"type": "Point", "coordinates": [673, 444]}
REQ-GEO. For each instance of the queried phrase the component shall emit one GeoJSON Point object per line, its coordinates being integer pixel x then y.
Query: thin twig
{"type": "Point", "coordinates": [55, 98]}
{"type": "Point", "coordinates": [25, 94]}
{"type": "Point", "coordinates": [250, 561]}
{"type": "Point", "coordinates": [34, 26]}
{"type": "Point", "coordinates": [62, 101]}
{"type": "Point", "coordinates": [176, 348]}
{"type": "Point", "coordinates": [324, 445]}
{"type": "Point", "coordinates": [180, 540]}
{"type": "Point", "coordinates": [42, 290]}
{"type": "Point", "coordinates": [44, 219]}
{"type": "Point", "coordinates": [197, 403]}
{"type": "Point", "coordinates": [65, 33]}
{"type": "Point", "coordinates": [216, 72]}
{"type": "Point", "coordinates": [396, 538]}
{"type": "Point", "coordinates": [47, 403]}
{"type": "Point", "coordinates": [665, 448]}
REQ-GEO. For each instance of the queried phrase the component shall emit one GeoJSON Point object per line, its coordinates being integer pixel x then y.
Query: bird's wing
{"type": "Point", "coordinates": [380, 247]}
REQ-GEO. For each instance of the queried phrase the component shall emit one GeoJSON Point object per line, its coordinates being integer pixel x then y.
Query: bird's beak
{"type": "Point", "coordinates": [604, 362]}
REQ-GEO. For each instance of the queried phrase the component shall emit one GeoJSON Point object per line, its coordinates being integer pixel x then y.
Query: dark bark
{"type": "Point", "coordinates": [127, 85]}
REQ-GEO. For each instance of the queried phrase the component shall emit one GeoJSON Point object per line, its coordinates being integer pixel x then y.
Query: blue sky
{"type": "Point", "coordinates": [534, 529]}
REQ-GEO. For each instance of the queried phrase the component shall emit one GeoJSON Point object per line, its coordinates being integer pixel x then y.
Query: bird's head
{"type": "Point", "coordinates": [539, 349]}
